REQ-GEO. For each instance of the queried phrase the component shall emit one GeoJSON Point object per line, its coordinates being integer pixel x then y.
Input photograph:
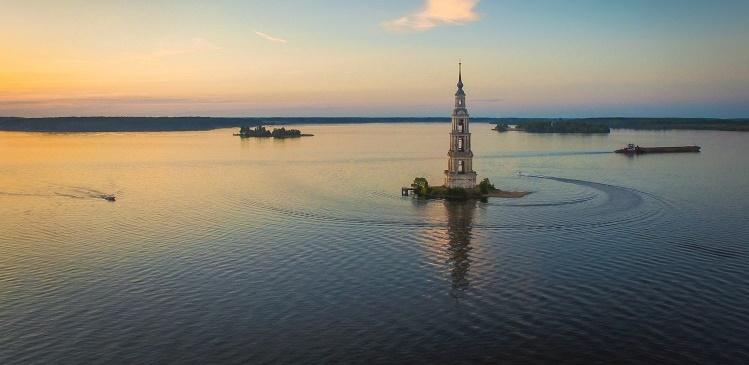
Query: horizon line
{"type": "Point", "coordinates": [361, 117]}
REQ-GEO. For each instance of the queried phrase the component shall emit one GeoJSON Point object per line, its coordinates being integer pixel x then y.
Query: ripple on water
{"type": "Point", "coordinates": [593, 206]}
{"type": "Point", "coordinates": [284, 275]}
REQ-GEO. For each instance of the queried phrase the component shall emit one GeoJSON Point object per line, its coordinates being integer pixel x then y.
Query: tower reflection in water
{"type": "Point", "coordinates": [459, 221]}
{"type": "Point", "coordinates": [447, 242]}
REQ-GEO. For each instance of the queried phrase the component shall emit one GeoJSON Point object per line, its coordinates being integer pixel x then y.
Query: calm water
{"type": "Point", "coordinates": [262, 251]}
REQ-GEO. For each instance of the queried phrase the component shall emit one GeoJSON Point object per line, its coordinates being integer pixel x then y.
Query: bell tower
{"type": "Point", "coordinates": [459, 173]}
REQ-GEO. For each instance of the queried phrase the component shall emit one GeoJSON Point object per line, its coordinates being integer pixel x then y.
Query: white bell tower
{"type": "Point", "coordinates": [459, 173]}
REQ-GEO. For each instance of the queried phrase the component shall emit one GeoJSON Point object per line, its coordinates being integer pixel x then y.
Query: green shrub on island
{"type": "Point", "coordinates": [262, 132]}
{"type": "Point", "coordinates": [485, 186]}
{"type": "Point", "coordinates": [421, 186]}
{"type": "Point", "coordinates": [563, 127]}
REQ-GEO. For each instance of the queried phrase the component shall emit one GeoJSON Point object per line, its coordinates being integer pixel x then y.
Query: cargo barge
{"type": "Point", "coordinates": [631, 149]}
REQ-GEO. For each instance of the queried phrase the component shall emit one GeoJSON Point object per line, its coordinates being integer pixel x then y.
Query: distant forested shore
{"type": "Point", "coordinates": [741, 124]}
{"type": "Point", "coordinates": [557, 127]}
{"type": "Point", "coordinates": [165, 124]}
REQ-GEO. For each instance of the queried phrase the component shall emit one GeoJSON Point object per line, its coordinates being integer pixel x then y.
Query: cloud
{"type": "Point", "coordinates": [114, 99]}
{"type": "Point", "coordinates": [436, 13]}
{"type": "Point", "coordinates": [194, 45]}
{"type": "Point", "coordinates": [271, 38]}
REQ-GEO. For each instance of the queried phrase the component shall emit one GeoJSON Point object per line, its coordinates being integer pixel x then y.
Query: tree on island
{"type": "Point", "coordinates": [421, 186]}
{"type": "Point", "coordinates": [485, 186]}
{"type": "Point", "coordinates": [258, 131]}
{"type": "Point", "coordinates": [286, 133]}
{"type": "Point", "coordinates": [262, 132]}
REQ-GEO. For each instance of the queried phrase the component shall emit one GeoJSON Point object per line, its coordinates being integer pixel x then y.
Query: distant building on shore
{"type": "Point", "coordinates": [459, 173]}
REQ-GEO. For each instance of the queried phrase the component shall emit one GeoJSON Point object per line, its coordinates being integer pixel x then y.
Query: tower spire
{"type": "Point", "coordinates": [460, 91]}
{"type": "Point", "coordinates": [460, 74]}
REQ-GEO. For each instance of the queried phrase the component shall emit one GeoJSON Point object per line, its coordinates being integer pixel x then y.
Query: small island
{"type": "Point", "coordinates": [552, 126]}
{"type": "Point", "coordinates": [484, 190]}
{"type": "Point", "coordinates": [460, 178]}
{"type": "Point", "coordinates": [502, 127]}
{"type": "Point", "coordinates": [261, 132]}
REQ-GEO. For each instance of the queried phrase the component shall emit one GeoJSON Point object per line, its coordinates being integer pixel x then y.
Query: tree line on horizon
{"type": "Point", "coordinates": [739, 124]}
{"type": "Point", "coordinates": [553, 126]}
{"type": "Point", "coordinates": [158, 124]}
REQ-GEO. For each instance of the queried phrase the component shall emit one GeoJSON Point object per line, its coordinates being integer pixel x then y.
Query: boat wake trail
{"type": "Point", "coordinates": [5, 193]}
{"type": "Point", "coordinates": [620, 198]}
{"type": "Point", "coordinates": [72, 192]}
{"type": "Point", "coordinates": [83, 193]}
{"type": "Point", "coordinates": [596, 205]}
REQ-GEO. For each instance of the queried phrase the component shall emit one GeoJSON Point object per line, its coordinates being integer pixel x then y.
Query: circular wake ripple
{"type": "Point", "coordinates": [619, 206]}
{"type": "Point", "coordinates": [603, 206]}
{"type": "Point", "coordinates": [549, 204]}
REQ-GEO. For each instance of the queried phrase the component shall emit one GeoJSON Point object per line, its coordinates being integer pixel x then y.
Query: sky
{"type": "Point", "coordinates": [521, 58]}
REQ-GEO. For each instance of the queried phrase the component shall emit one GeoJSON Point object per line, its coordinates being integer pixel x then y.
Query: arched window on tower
{"type": "Point", "coordinates": [460, 167]}
{"type": "Point", "coordinates": [460, 126]}
{"type": "Point", "coordinates": [460, 144]}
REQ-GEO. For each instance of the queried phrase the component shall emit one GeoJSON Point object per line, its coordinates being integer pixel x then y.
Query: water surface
{"type": "Point", "coordinates": [264, 251]}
